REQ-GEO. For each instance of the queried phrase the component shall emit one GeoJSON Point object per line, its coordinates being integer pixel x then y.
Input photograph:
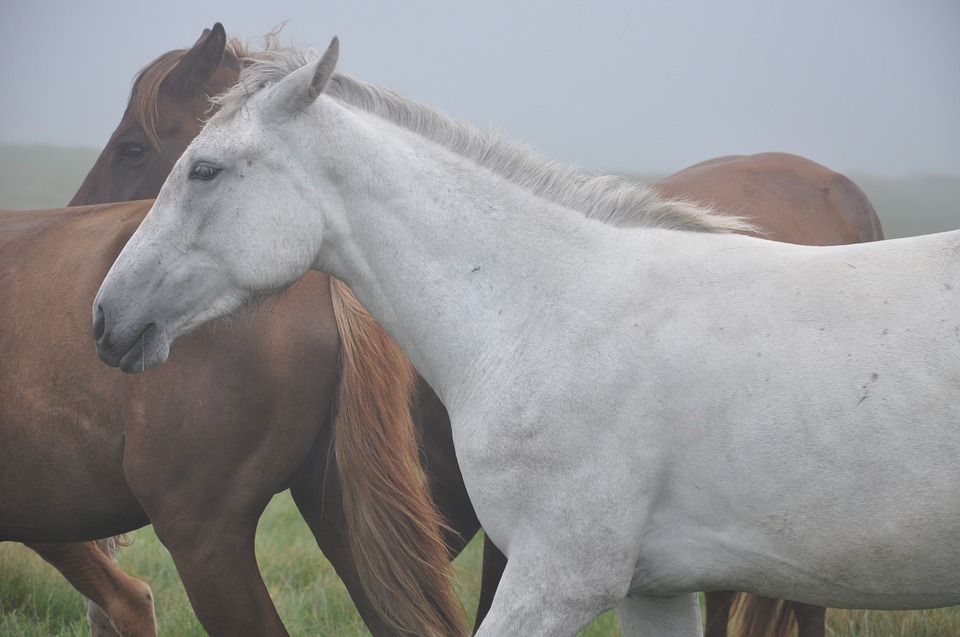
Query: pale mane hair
{"type": "Point", "coordinates": [609, 199]}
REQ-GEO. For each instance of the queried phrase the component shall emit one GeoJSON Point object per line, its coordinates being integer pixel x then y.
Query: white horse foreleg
{"type": "Point", "coordinates": [534, 599]}
{"type": "Point", "coordinates": [672, 616]}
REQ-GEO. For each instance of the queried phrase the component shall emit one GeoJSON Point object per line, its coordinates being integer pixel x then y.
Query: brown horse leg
{"type": "Point", "coordinates": [125, 604]}
{"type": "Point", "coordinates": [811, 620]}
{"type": "Point", "coordinates": [494, 562]}
{"type": "Point", "coordinates": [208, 527]}
{"type": "Point", "coordinates": [718, 612]}
{"type": "Point", "coordinates": [450, 493]}
{"type": "Point", "coordinates": [214, 555]}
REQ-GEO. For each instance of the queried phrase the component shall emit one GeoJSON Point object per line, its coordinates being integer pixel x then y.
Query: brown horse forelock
{"type": "Point", "coordinates": [145, 92]}
{"type": "Point", "coordinates": [395, 529]}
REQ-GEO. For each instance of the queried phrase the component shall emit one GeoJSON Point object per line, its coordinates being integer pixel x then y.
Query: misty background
{"type": "Point", "coordinates": [870, 88]}
{"type": "Point", "coordinates": [862, 86]}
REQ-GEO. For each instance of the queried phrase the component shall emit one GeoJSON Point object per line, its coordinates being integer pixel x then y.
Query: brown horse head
{"type": "Point", "coordinates": [161, 119]}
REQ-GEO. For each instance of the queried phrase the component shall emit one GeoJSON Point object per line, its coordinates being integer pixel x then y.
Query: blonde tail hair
{"type": "Point", "coordinates": [756, 615]}
{"type": "Point", "coordinates": [393, 527]}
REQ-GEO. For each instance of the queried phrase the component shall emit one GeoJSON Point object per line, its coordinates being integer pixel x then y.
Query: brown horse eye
{"type": "Point", "coordinates": [132, 152]}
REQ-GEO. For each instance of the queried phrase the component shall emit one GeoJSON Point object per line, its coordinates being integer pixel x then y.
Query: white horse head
{"type": "Point", "coordinates": [217, 235]}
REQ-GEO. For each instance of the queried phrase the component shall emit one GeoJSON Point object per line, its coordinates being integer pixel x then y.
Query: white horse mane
{"type": "Point", "coordinates": [610, 199]}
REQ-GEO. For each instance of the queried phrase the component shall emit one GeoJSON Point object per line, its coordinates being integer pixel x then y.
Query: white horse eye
{"type": "Point", "coordinates": [204, 172]}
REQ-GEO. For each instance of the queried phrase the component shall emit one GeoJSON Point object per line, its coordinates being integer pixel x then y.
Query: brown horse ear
{"type": "Point", "coordinates": [199, 63]}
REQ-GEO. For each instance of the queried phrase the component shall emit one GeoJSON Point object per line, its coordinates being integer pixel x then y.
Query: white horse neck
{"type": "Point", "coordinates": [607, 198]}
{"type": "Point", "coordinates": [446, 255]}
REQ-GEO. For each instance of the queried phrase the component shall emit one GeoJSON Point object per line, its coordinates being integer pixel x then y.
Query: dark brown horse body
{"type": "Point", "coordinates": [793, 199]}
{"type": "Point", "coordinates": [199, 453]}
{"type": "Point", "coordinates": [198, 449]}
{"type": "Point", "coordinates": [204, 475]}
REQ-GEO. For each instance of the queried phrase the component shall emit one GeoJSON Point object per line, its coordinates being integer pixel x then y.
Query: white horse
{"type": "Point", "coordinates": [638, 413]}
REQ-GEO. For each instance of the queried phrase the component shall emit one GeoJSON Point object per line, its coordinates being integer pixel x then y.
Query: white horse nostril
{"type": "Point", "coordinates": [98, 323]}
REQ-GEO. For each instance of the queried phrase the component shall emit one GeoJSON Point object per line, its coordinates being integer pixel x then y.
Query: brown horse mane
{"type": "Point", "coordinates": [145, 91]}
{"type": "Point", "coordinates": [393, 521]}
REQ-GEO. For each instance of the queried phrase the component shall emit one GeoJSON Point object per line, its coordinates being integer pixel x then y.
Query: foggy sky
{"type": "Point", "coordinates": [863, 86]}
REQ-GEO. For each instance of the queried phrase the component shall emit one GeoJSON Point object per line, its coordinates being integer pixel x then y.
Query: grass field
{"type": "Point", "coordinates": [35, 601]}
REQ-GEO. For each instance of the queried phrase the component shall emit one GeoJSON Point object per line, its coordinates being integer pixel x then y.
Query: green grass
{"type": "Point", "coordinates": [36, 602]}
{"type": "Point", "coordinates": [941, 622]}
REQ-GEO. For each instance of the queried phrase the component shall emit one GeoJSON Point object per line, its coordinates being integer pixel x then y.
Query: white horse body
{"type": "Point", "coordinates": [638, 414]}
{"type": "Point", "coordinates": [749, 380]}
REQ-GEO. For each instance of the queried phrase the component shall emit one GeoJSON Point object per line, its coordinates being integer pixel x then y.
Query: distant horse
{"type": "Point", "coordinates": [169, 99]}
{"type": "Point", "coordinates": [640, 411]}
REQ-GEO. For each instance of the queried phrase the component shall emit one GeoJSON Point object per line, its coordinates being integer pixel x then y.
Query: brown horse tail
{"type": "Point", "coordinates": [754, 615]}
{"type": "Point", "coordinates": [393, 526]}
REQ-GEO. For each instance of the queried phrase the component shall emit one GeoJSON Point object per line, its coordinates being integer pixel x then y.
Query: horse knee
{"type": "Point", "coordinates": [130, 613]}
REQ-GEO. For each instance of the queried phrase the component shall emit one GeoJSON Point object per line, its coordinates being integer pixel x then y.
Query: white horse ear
{"type": "Point", "coordinates": [298, 90]}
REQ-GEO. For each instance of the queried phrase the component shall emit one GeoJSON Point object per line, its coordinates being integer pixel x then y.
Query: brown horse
{"type": "Point", "coordinates": [150, 137]}
{"type": "Point", "coordinates": [116, 602]}
{"type": "Point", "coordinates": [201, 450]}
{"type": "Point", "coordinates": [793, 199]}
